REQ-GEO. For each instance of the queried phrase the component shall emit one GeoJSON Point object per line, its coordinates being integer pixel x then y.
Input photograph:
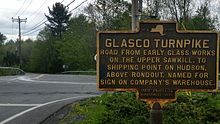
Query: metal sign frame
{"type": "Point", "coordinates": [159, 30]}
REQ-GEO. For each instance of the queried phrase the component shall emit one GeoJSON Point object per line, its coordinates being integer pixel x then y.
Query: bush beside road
{"type": "Point", "coordinates": [9, 71]}
{"type": "Point", "coordinates": [124, 108]}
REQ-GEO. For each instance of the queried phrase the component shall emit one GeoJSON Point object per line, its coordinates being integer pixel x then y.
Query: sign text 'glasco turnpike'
{"type": "Point", "coordinates": [157, 60]}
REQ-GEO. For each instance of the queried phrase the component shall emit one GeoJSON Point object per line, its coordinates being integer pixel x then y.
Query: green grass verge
{"type": "Point", "coordinates": [125, 108]}
{"type": "Point", "coordinates": [9, 71]}
{"type": "Point", "coordinates": [80, 111]}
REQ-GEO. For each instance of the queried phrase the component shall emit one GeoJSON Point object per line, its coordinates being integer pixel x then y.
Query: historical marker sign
{"type": "Point", "coordinates": [157, 60]}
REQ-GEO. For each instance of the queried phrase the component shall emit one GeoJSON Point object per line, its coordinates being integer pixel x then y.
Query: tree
{"type": "Point", "coordinates": [2, 38]}
{"type": "Point", "coordinates": [10, 56]}
{"type": "Point", "coordinates": [178, 9]}
{"type": "Point", "coordinates": [44, 56]}
{"type": "Point", "coordinates": [58, 18]}
{"type": "Point", "coordinates": [39, 58]}
{"type": "Point", "coordinates": [202, 20]}
{"type": "Point", "coordinates": [26, 47]}
{"type": "Point", "coordinates": [110, 14]}
{"type": "Point", "coordinates": [2, 51]}
{"type": "Point", "coordinates": [78, 46]}
{"type": "Point", "coordinates": [10, 59]}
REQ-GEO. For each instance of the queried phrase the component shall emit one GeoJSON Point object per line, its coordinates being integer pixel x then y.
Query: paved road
{"type": "Point", "coordinates": [30, 98]}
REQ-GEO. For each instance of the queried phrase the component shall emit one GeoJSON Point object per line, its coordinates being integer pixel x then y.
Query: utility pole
{"type": "Point", "coordinates": [134, 15]}
{"type": "Point", "coordinates": [135, 10]}
{"type": "Point", "coordinates": [19, 35]}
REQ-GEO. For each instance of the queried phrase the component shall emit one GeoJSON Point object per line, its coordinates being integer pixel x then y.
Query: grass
{"type": "Point", "coordinates": [88, 112]}
{"type": "Point", "coordinates": [9, 71]}
{"type": "Point", "coordinates": [124, 108]}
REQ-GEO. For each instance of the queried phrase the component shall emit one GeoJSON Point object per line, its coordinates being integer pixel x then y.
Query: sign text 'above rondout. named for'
{"type": "Point", "coordinates": [157, 60]}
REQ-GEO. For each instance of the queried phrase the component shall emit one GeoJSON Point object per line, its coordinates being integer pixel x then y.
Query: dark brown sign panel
{"type": "Point", "coordinates": [157, 60]}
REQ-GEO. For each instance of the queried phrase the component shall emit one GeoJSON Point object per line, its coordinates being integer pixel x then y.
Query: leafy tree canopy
{"type": "Point", "coordinates": [110, 14]}
{"type": "Point", "coordinates": [2, 38]}
{"type": "Point", "coordinates": [202, 20]}
{"type": "Point", "coordinates": [59, 18]}
{"type": "Point", "coordinates": [78, 47]}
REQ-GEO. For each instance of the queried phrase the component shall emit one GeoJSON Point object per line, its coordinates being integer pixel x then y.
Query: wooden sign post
{"type": "Point", "coordinates": [157, 61]}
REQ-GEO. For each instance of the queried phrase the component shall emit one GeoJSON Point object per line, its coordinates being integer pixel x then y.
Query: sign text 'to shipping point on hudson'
{"type": "Point", "coordinates": [157, 61]}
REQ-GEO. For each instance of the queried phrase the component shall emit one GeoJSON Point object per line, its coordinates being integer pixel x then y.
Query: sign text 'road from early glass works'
{"type": "Point", "coordinates": [157, 60]}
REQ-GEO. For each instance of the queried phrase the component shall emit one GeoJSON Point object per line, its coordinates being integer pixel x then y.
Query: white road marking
{"type": "Point", "coordinates": [8, 78]}
{"type": "Point", "coordinates": [18, 105]}
{"type": "Point", "coordinates": [41, 75]}
{"type": "Point", "coordinates": [14, 79]}
{"type": "Point", "coordinates": [25, 78]}
{"type": "Point", "coordinates": [41, 105]}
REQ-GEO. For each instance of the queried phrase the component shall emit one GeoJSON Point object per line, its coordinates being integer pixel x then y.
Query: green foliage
{"type": "Point", "coordinates": [200, 108]}
{"type": "Point", "coordinates": [202, 20]}
{"type": "Point", "coordinates": [38, 58]}
{"type": "Point", "coordinates": [2, 50]}
{"type": "Point", "coordinates": [10, 55]}
{"type": "Point", "coordinates": [82, 110]}
{"type": "Point", "coordinates": [110, 14]}
{"type": "Point", "coordinates": [10, 59]}
{"type": "Point", "coordinates": [58, 18]}
{"type": "Point", "coordinates": [178, 10]}
{"type": "Point", "coordinates": [44, 58]}
{"type": "Point", "coordinates": [124, 108]}
{"type": "Point", "coordinates": [116, 108]}
{"type": "Point", "coordinates": [77, 49]}
{"type": "Point", "coordinates": [2, 38]}
{"type": "Point", "coordinates": [8, 71]}
{"type": "Point", "coordinates": [26, 49]}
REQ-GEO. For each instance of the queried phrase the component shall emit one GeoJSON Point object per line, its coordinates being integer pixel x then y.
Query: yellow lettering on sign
{"type": "Point", "coordinates": [193, 82]}
{"type": "Point", "coordinates": [177, 60]}
{"type": "Point", "coordinates": [117, 74]}
{"type": "Point", "coordinates": [153, 52]}
{"type": "Point", "coordinates": [127, 43]}
{"type": "Point", "coordinates": [107, 82]}
{"type": "Point", "coordinates": [108, 52]}
{"type": "Point", "coordinates": [190, 68]}
{"type": "Point", "coordinates": [181, 43]}
{"type": "Point", "coordinates": [148, 59]}
{"type": "Point", "coordinates": [130, 52]}
{"type": "Point", "coordinates": [122, 67]}
{"type": "Point", "coordinates": [147, 74]}
{"type": "Point", "coordinates": [203, 52]}
{"type": "Point", "coordinates": [179, 75]}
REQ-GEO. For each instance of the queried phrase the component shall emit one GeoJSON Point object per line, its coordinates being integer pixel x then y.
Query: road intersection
{"type": "Point", "coordinates": [30, 98]}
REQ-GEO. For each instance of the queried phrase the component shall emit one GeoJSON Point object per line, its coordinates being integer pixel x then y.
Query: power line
{"type": "Point", "coordinates": [37, 11]}
{"type": "Point", "coordinates": [20, 7]}
{"type": "Point", "coordinates": [78, 5]}
{"type": "Point", "coordinates": [31, 31]}
{"type": "Point", "coordinates": [26, 7]}
{"type": "Point", "coordinates": [34, 31]}
{"type": "Point", "coordinates": [36, 26]}
{"type": "Point", "coordinates": [70, 3]}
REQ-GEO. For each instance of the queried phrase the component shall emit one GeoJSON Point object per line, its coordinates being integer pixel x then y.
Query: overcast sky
{"type": "Point", "coordinates": [33, 10]}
